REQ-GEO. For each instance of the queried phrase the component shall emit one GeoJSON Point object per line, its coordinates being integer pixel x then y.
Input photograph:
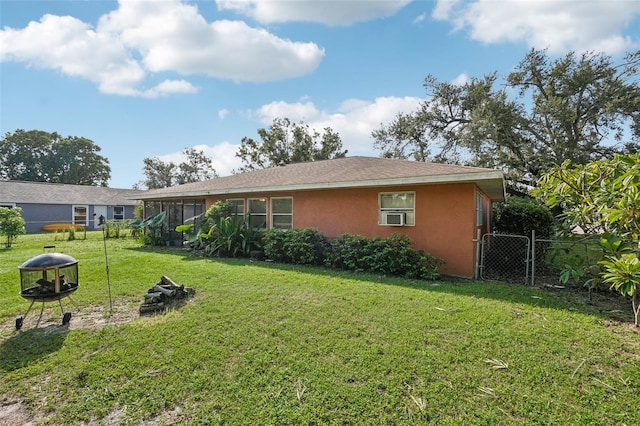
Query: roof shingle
{"type": "Point", "coordinates": [12, 191]}
{"type": "Point", "coordinates": [349, 172]}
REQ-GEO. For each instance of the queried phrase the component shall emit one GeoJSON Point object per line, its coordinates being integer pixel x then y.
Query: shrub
{"type": "Point", "coordinates": [231, 238]}
{"type": "Point", "coordinates": [388, 256]}
{"type": "Point", "coordinates": [11, 224]}
{"type": "Point", "coordinates": [299, 246]}
{"type": "Point", "coordinates": [220, 210]}
{"type": "Point", "coordinates": [520, 216]}
{"type": "Point", "coordinates": [116, 228]}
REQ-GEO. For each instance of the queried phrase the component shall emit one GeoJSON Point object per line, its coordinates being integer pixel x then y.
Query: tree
{"type": "Point", "coordinates": [285, 142]}
{"type": "Point", "coordinates": [11, 224]}
{"type": "Point", "coordinates": [40, 156]}
{"type": "Point", "coordinates": [197, 167]}
{"type": "Point", "coordinates": [604, 197]}
{"type": "Point", "coordinates": [160, 174]}
{"type": "Point", "coordinates": [548, 111]}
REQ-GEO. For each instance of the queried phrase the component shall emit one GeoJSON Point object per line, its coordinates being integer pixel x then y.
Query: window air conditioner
{"type": "Point", "coordinates": [393, 218]}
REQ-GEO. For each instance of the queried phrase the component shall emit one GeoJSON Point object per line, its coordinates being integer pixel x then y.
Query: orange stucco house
{"type": "Point", "coordinates": [441, 207]}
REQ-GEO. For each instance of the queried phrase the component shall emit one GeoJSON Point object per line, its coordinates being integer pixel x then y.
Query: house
{"type": "Point", "coordinates": [49, 203]}
{"type": "Point", "coordinates": [441, 207]}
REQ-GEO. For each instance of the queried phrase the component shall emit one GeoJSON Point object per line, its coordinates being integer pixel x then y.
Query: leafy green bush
{"type": "Point", "coordinates": [11, 224]}
{"type": "Point", "coordinates": [116, 228]}
{"type": "Point", "coordinates": [389, 256]}
{"type": "Point", "coordinates": [520, 216]}
{"type": "Point", "coordinates": [299, 246]}
{"type": "Point", "coordinates": [231, 238]}
{"type": "Point", "coordinates": [219, 210]}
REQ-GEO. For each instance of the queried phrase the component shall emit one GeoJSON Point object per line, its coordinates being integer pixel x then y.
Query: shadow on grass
{"type": "Point", "coordinates": [27, 347]}
{"type": "Point", "coordinates": [601, 303]}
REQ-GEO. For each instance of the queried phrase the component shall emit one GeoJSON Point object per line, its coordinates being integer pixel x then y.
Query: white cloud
{"type": "Point", "coordinates": [420, 18]}
{"type": "Point", "coordinates": [345, 12]}
{"type": "Point", "coordinates": [73, 47]}
{"type": "Point", "coordinates": [460, 80]}
{"type": "Point", "coordinates": [223, 157]}
{"type": "Point", "coordinates": [223, 113]}
{"type": "Point", "coordinates": [555, 24]}
{"type": "Point", "coordinates": [170, 87]}
{"type": "Point", "coordinates": [143, 37]}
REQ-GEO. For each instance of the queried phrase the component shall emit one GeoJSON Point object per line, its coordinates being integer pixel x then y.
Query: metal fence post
{"type": "Point", "coordinates": [533, 257]}
{"type": "Point", "coordinates": [476, 274]}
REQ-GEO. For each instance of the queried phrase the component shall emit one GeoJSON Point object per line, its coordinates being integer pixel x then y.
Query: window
{"type": "Point", "coordinates": [118, 212]}
{"type": "Point", "coordinates": [397, 204]}
{"type": "Point", "coordinates": [8, 206]}
{"type": "Point", "coordinates": [282, 213]}
{"type": "Point", "coordinates": [80, 215]}
{"type": "Point", "coordinates": [258, 213]}
{"type": "Point", "coordinates": [238, 208]}
{"type": "Point", "coordinates": [479, 212]}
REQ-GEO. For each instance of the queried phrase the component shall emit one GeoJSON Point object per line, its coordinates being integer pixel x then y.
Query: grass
{"type": "Point", "coordinates": [264, 343]}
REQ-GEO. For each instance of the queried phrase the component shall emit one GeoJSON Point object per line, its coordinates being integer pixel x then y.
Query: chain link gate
{"type": "Point", "coordinates": [505, 258]}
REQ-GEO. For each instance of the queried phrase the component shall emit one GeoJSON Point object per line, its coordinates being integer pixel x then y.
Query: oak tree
{"type": "Point", "coordinates": [579, 107]}
{"type": "Point", "coordinates": [40, 156]}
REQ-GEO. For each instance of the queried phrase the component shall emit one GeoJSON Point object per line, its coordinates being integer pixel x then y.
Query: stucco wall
{"type": "Point", "coordinates": [445, 218]}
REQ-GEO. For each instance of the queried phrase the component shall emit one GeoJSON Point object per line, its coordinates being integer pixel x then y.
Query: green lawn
{"type": "Point", "coordinates": [263, 343]}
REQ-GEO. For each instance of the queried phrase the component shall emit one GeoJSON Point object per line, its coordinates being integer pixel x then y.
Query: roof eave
{"type": "Point", "coordinates": [491, 182]}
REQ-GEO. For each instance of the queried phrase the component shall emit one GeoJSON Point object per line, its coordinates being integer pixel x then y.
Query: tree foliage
{"type": "Point", "coordinates": [600, 196]}
{"type": "Point", "coordinates": [520, 216]}
{"type": "Point", "coordinates": [40, 156]}
{"type": "Point", "coordinates": [161, 174]}
{"type": "Point", "coordinates": [285, 142]}
{"type": "Point", "coordinates": [11, 224]}
{"type": "Point", "coordinates": [546, 112]}
{"type": "Point", "coordinates": [604, 197]}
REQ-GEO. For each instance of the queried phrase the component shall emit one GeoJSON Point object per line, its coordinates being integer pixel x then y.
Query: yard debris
{"type": "Point", "coordinates": [164, 294]}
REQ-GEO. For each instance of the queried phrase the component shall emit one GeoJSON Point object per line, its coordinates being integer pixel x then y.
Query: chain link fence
{"type": "Point", "coordinates": [530, 261]}
{"type": "Point", "coordinates": [505, 258]}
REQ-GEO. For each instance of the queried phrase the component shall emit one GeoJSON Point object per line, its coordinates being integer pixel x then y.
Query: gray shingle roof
{"type": "Point", "coordinates": [349, 172]}
{"type": "Point", "coordinates": [12, 191]}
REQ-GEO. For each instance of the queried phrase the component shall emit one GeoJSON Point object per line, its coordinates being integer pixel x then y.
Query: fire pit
{"type": "Point", "coordinates": [48, 277]}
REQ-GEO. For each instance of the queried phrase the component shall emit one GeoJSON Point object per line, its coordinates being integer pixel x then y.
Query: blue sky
{"type": "Point", "coordinates": [150, 78]}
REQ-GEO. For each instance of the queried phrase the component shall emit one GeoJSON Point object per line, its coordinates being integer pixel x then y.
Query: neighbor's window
{"type": "Point", "coordinates": [397, 202]}
{"type": "Point", "coordinates": [80, 215]}
{"type": "Point", "coordinates": [118, 212]}
{"type": "Point", "coordinates": [282, 213]}
{"type": "Point", "coordinates": [258, 213]}
{"type": "Point", "coordinates": [238, 208]}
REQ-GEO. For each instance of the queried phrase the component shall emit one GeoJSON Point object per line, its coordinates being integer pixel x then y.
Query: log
{"type": "Point", "coordinates": [169, 282]}
{"type": "Point", "coordinates": [163, 290]}
{"type": "Point", "coordinates": [151, 307]}
{"type": "Point", "coordinates": [153, 297]}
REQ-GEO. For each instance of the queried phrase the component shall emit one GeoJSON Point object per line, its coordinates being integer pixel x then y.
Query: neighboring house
{"type": "Point", "coordinates": [47, 203]}
{"type": "Point", "coordinates": [441, 207]}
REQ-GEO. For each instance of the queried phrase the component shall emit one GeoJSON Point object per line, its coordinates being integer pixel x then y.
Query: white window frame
{"type": "Point", "coordinates": [74, 215]}
{"type": "Point", "coordinates": [118, 216]}
{"type": "Point", "coordinates": [273, 214]}
{"type": "Point", "coordinates": [265, 214]}
{"type": "Point", "coordinates": [8, 205]}
{"type": "Point", "coordinates": [410, 213]}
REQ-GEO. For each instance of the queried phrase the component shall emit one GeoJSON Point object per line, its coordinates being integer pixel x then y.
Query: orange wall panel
{"type": "Point", "coordinates": [445, 224]}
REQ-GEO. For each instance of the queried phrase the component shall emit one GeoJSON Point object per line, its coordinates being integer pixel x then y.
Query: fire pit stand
{"type": "Point", "coordinates": [48, 277]}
